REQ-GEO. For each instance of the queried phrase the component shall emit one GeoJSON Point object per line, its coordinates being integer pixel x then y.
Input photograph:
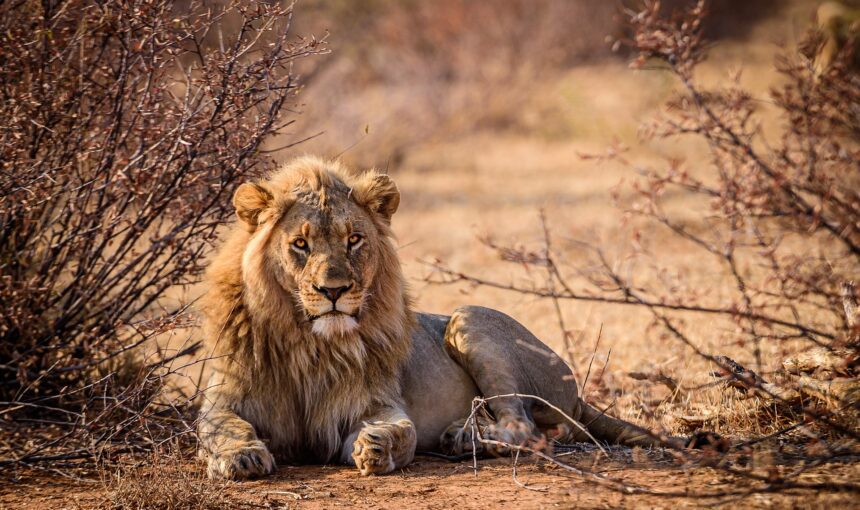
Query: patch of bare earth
{"type": "Point", "coordinates": [432, 483]}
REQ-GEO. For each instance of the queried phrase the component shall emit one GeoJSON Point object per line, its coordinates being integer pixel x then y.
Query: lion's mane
{"type": "Point", "coordinates": [300, 390]}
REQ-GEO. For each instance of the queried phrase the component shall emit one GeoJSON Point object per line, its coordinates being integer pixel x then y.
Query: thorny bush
{"type": "Point", "coordinates": [126, 125]}
{"type": "Point", "coordinates": [778, 221]}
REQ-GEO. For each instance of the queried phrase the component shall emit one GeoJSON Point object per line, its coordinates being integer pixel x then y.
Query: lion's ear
{"type": "Point", "coordinates": [250, 200]}
{"type": "Point", "coordinates": [379, 194]}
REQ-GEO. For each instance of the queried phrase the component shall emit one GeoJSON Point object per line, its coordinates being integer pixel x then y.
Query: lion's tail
{"type": "Point", "coordinates": [616, 431]}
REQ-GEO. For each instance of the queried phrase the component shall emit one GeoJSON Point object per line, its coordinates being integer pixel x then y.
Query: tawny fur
{"type": "Point", "coordinates": [302, 376]}
{"type": "Point", "coordinates": [299, 389]}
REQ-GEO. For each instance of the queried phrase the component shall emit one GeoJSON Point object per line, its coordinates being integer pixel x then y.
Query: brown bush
{"type": "Point", "coordinates": [776, 222]}
{"type": "Point", "coordinates": [126, 124]}
{"type": "Point", "coordinates": [788, 211]}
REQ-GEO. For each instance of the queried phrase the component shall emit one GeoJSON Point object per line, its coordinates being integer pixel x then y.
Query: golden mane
{"type": "Point", "coordinates": [253, 326]}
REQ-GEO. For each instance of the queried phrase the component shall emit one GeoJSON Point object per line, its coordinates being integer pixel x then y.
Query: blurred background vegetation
{"type": "Point", "coordinates": [415, 72]}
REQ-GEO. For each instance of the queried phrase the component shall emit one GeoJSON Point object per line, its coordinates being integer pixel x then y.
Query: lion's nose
{"type": "Point", "coordinates": [333, 293]}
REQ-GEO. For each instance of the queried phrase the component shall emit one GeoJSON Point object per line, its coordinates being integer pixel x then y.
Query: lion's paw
{"type": "Point", "coordinates": [497, 436]}
{"type": "Point", "coordinates": [249, 460]}
{"type": "Point", "coordinates": [377, 447]}
{"type": "Point", "coordinates": [457, 438]}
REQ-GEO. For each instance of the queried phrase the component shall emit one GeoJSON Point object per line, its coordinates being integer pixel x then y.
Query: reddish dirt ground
{"type": "Point", "coordinates": [437, 484]}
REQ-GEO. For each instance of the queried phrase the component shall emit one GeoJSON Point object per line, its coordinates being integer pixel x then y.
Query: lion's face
{"type": "Point", "coordinates": [329, 261]}
{"type": "Point", "coordinates": [323, 243]}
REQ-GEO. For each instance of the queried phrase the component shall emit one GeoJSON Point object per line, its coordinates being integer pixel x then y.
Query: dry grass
{"type": "Point", "coordinates": [451, 68]}
{"type": "Point", "coordinates": [165, 483]}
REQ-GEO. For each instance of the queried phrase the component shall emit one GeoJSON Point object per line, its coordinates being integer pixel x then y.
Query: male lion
{"type": "Point", "coordinates": [319, 358]}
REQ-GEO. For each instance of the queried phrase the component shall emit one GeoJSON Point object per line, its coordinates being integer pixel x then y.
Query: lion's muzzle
{"type": "Point", "coordinates": [333, 310]}
{"type": "Point", "coordinates": [333, 293]}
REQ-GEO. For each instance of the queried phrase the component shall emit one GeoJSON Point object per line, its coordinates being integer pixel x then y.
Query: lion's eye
{"type": "Point", "coordinates": [354, 240]}
{"type": "Point", "coordinates": [300, 244]}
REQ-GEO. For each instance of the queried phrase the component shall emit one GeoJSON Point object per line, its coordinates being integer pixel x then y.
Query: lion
{"type": "Point", "coordinates": [319, 358]}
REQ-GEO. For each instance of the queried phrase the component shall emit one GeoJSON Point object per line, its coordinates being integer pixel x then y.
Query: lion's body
{"type": "Point", "coordinates": [437, 391]}
{"type": "Point", "coordinates": [319, 358]}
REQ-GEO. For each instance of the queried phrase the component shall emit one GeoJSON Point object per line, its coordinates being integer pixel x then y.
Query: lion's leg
{"type": "Point", "coordinates": [504, 358]}
{"type": "Point", "coordinates": [611, 429]}
{"type": "Point", "coordinates": [231, 444]}
{"type": "Point", "coordinates": [384, 442]}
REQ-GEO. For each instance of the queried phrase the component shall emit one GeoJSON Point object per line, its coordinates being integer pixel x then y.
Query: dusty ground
{"type": "Point", "coordinates": [438, 484]}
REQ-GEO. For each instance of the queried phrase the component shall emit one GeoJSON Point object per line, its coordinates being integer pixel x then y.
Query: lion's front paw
{"type": "Point", "coordinates": [381, 447]}
{"type": "Point", "coordinates": [249, 460]}
{"type": "Point", "coordinates": [372, 452]}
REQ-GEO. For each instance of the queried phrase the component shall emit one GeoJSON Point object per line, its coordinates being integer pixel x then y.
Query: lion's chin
{"type": "Point", "coordinates": [334, 324]}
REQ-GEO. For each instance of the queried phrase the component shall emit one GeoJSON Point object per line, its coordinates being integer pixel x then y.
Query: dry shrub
{"type": "Point", "coordinates": [126, 125]}
{"type": "Point", "coordinates": [780, 218]}
{"type": "Point", "coordinates": [774, 224]}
